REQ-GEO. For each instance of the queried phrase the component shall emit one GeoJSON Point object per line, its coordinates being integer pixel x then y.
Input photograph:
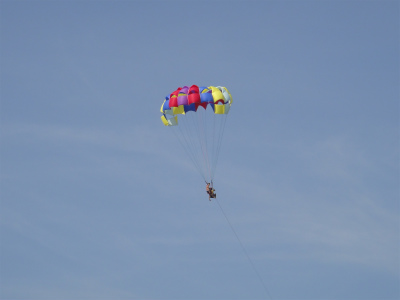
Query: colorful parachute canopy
{"type": "Point", "coordinates": [202, 113]}
{"type": "Point", "coordinates": [185, 99]}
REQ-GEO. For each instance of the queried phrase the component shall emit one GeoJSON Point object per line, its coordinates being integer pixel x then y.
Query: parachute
{"type": "Point", "coordinates": [197, 117]}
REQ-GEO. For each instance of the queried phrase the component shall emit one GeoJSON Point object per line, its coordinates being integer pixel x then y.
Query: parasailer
{"type": "Point", "coordinates": [210, 191]}
{"type": "Point", "coordinates": [197, 117]}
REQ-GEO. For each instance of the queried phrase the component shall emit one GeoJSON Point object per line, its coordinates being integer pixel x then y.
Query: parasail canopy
{"type": "Point", "coordinates": [197, 116]}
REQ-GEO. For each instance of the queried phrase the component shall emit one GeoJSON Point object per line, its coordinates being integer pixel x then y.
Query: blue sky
{"type": "Point", "coordinates": [98, 201]}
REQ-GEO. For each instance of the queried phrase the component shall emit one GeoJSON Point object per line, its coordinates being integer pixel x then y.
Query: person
{"type": "Point", "coordinates": [210, 191]}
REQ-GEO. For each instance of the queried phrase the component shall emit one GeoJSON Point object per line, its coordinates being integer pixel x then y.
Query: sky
{"type": "Point", "coordinates": [99, 200]}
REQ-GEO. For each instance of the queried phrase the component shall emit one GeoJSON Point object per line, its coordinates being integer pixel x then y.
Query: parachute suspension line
{"type": "Point", "coordinates": [206, 121]}
{"type": "Point", "coordinates": [245, 251]}
{"type": "Point", "coordinates": [206, 137]}
{"type": "Point", "coordinates": [186, 147]}
{"type": "Point", "coordinates": [215, 142]}
{"type": "Point", "coordinates": [221, 137]}
{"type": "Point", "coordinates": [221, 134]}
{"type": "Point", "coordinates": [213, 149]}
{"type": "Point", "coordinates": [190, 142]}
{"type": "Point", "coordinates": [204, 150]}
{"type": "Point", "coordinates": [201, 137]}
{"type": "Point", "coordinates": [203, 131]}
{"type": "Point", "coordinates": [185, 131]}
{"type": "Point", "coordinates": [195, 146]}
